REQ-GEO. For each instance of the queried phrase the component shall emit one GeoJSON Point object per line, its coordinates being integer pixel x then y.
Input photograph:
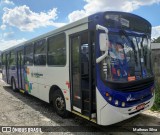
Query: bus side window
{"type": "Point", "coordinates": [57, 50]}
{"type": "Point", "coordinates": [12, 60]}
{"type": "Point", "coordinates": [29, 55]}
{"type": "Point", "coordinates": [40, 52]}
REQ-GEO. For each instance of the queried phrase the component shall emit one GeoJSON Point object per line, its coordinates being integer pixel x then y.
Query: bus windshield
{"type": "Point", "coordinates": [129, 58]}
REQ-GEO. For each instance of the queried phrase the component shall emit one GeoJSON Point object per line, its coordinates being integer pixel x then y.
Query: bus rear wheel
{"type": "Point", "coordinates": [59, 104]}
{"type": "Point", "coordinates": [13, 84]}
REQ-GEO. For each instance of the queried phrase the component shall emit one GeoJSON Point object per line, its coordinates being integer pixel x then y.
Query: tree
{"type": "Point", "coordinates": [157, 40]}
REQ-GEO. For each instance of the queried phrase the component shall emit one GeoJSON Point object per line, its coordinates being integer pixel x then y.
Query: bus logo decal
{"type": "Point", "coordinates": [129, 98]}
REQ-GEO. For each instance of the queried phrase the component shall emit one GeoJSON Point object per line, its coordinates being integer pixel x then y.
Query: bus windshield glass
{"type": "Point", "coordinates": [129, 58]}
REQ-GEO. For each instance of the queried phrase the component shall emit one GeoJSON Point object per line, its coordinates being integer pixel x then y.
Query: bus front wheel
{"type": "Point", "coordinates": [59, 104]}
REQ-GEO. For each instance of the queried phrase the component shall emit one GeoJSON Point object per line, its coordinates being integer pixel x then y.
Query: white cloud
{"type": "Point", "coordinates": [26, 20]}
{"type": "Point", "coordinates": [3, 27]}
{"type": "Point", "coordinates": [5, 44]}
{"type": "Point", "coordinates": [75, 15]}
{"type": "Point", "coordinates": [155, 32]}
{"type": "Point", "coordinates": [93, 6]}
{"type": "Point", "coordinates": [6, 2]}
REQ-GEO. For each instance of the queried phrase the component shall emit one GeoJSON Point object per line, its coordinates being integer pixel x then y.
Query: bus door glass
{"type": "Point", "coordinates": [75, 72]}
{"type": "Point", "coordinates": [20, 69]}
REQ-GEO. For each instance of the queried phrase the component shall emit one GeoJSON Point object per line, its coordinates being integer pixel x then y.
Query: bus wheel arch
{"type": "Point", "coordinates": [56, 98]}
{"type": "Point", "coordinates": [51, 92]}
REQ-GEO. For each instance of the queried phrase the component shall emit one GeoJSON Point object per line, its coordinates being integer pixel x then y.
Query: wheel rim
{"type": "Point", "coordinates": [59, 102]}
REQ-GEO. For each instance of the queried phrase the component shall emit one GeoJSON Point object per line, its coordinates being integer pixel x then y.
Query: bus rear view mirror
{"type": "Point", "coordinates": [103, 42]}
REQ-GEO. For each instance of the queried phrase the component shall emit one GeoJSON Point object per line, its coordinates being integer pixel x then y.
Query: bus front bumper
{"type": "Point", "coordinates": [110, 114]}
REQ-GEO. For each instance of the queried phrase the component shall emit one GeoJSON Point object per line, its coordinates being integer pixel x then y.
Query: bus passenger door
{"type": "Point", "coordinates": [81, 72]}
{"type": "Point", "coordinates": [75, 73]}
{"type": "Point", "coordinates": [20, 69]}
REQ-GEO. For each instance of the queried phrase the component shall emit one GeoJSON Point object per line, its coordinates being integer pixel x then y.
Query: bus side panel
{"type": "Point", "coordinates": [52, 76]}
{"type": "Point", "coordinates": [30, 80]}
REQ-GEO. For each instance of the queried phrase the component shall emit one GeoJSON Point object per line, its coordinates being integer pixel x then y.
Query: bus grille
{"type": "Point", "coordinates": [131, 86]}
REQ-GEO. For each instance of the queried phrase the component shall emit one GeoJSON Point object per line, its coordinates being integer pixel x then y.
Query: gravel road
{"type": "Point", "coordinates": [17, 109]}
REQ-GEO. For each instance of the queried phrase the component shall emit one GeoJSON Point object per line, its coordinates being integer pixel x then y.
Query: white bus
{"type": "Point", "coordinates": [98, 67]}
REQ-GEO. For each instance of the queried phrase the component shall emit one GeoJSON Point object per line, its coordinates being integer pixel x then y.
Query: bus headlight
{"type": "Point", "coordinates": [123, 104]}
{"type": "Point", "coordinates": [110, 98]}
{"type": "Point", "coordinates": [116, 102]}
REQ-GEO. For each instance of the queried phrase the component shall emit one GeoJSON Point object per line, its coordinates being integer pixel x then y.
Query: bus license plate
{"type": "Point", "coordinates": [141, 106]}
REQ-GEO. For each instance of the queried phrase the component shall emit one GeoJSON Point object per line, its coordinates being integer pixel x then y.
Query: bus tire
{"type": "Point", "coordinates": [13, 84]}
{"type": "Point", "coordinates": [59, 104]}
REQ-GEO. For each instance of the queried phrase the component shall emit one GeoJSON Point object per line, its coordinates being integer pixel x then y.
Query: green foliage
{"type": "Point", "coordinates": [156, 40]}
{"type": "Point", "coordinates": [156, 106]}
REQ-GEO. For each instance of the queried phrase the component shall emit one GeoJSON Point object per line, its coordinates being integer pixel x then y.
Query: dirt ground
{"type": "Point", "coordinates": [17, 109]}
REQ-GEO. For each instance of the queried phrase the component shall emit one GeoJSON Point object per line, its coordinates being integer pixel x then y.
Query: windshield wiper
{"type": "Point", "coordinates": [143, 48]}
{"type": "Point", "coordinates": [122, 32]}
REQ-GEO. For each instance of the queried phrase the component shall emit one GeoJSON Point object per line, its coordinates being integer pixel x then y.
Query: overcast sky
{"type": "Point", "coordinates": [22, 20]}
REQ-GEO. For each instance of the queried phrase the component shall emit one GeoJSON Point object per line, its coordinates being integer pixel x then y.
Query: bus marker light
{"type": "Point", "coordinates": [107, 94]}
{"type": "Point", "coordinates": [116, 102]}
{"type": "Point", "coordinates": [123, 104]}
{"type": "Point", "coordinates": [110, 98]}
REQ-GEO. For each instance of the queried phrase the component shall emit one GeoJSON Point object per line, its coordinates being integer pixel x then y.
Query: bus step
{"type": "Point", "coordinates": [86, 117]}
{"type": "Point", "coordinates": [86, 113]}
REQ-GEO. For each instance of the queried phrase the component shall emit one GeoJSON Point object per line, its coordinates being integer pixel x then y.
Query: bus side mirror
{"type": "Point", "coordinates": [103, 42]}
